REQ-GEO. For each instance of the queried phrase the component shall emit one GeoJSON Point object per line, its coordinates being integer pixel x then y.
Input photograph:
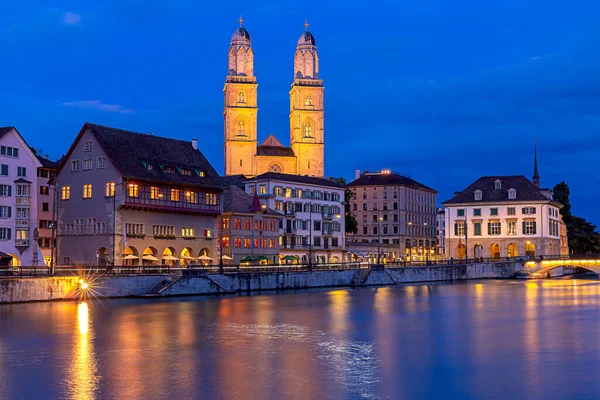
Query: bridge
{"type": "Point", "coordinates": [542, 268]}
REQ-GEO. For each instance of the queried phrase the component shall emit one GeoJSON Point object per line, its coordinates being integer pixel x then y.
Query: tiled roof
{"type": "Point", "coordinates": [131, 151]}
{"type": "Point", "coordinates": [236, 200]}
{"type": "Point", "coordinates": [311, 180]}
{"type": "Point", "coordinates": [526, 190]}
{"type": "Point", "coordinates": [47, 163]}
{"type": "Point", "coordinates": [237, 180]}
{"type": "Point", "coordinates": [275, 151]}
{"type": "Point", "coordinates": [381, 179]}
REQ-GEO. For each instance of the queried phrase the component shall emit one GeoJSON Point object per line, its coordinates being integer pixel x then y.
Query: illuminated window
{"type": "Point", "coordinates": [211, 199]}
{"type": "Point", "coordinates": [185, 171]}
{"type": "Point", "coordinates": [187, 232]}
{"type": "Point", "coordinates": [110, 189]}
{"type": "Point", "coordinates": [87, 191]}
{"type": "Point", "coordinates": [241, 97]}
{"type": "Point", "coordinates": [241, 128]}
{"type": "Point", "coordinates": [191, 197]}
{"type": "Point", "coordinates": [154, 192]}
{"type": "Point", "coordinates": [308, 101]}
{"type": "Point", "coordinates": [238, 242]}
{"type": "Point", "coordinates": [308, 130]}
{"type": "Point", "coordinates": [262, 189]}
{"type": "Point", "coordinates": [66, 193]}
{"type": "Point", "coordinates": [133, 190]}
{"type": "Point", "coordinates": [511, 228]}
{"type": "Point", "coordinates": [22, 234]}
{"type": "Point", "coordinates": [237, 223]}
{"type": "Point", "coordinates": [201, 173]}
{"type": "Point", "coordinates": [174, 194]}
{"type": "Point", "coordinates": [247, 225]}
{"type": "Point", "coordinates": [288, 192]}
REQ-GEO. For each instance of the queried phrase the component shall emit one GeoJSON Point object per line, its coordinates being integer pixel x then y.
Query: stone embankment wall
{"type": "Point", "coordinates": [42, 289]}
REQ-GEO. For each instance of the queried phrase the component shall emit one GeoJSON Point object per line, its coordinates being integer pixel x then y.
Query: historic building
{"type": "Point", "coordinates": [503, 216]}
{"type": "Point", "coordinates": [134, 198]}
{"type": "Point", "coordinates": [440, 231]}
{"type": "Point", "coordinates": [243, 155]}
{"type": "Point", "coordinates": [18, 200]}
{"type": "Point", "coordinates": [249, 231]}
{"type": "Point", "coordinates": [313, 227]}
{"type": "Point", "coordinates": [396, 217]}
{"type": "Point", "coordinates": [45, 206]}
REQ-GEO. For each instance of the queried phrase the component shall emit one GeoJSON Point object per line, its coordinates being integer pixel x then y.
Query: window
{"type": "Point", "coordinates": [45, 190]}
{"type": "Point", "coordinates": [460, 213]}
{"type": "Point", "coordinates": [511, 228]}
{"type": "Point", "coordinates": [478, 195]}
{"type": "Point", "coordinates": [4, 233]}
{"type": "Point", "coordinates": [22, 190]}
{"type": "Point", "coordinates": [5, 211]}
{"type": "Point", "coordinates": [154, 192]}
{"type": "Point", "coordinates": [241, 128]}
{"type": "Point", "coordinates": [529, 227]}
{"type": "Point", "coordinates": [512, 194]}
{"type": "Point", "coordinates": [187, 232]}
{"type": "Point", "coordinates": [45, 207]}
{"type": "Point", "coordinates": [87, 145]}
{"type": "Point", "coordinates": [133, 190]}
{"type": "Point", "coordinates": [308, 101]}
{"type": "Point", "coordinates": [459, 229]}
{"type": "Point", "coordinates": [75, 165]}
{"type": "Point", "coordinates": [110, 189]}
{"type": "Point", "coordinates": [308, 130]}
{"type": "Point", "coordinates": [22, 213]}
{"type": "Point", "coordinates": [510, 211]}
{"type": "Point", "coordinates": [21, 234]}
{"type": "Point", "coordinates": [275, 168]}
{"type": "Point", "coordinates": [4, 170]}
{"type": "Point", "coordinates": [494, 228]}
{"type": "Point", "coordinates": [528, 210]}
{"type": "Point", "coordinates": [262, 189]}
{"type": "Point", "coordinates": [211, 199]}
{"type": "Point", "coordinates": [5, 190]}
{"type": "Point", "coordinates": [100, 162]}
{"type": "Point", "coordinates": [65, 192]}
{"type": "Point", "coordinates": [395, 217]}
{"type": "Point", "coordinates": [365, 230]}
{"type": "Point", "coordinates": [493, 211]}
{"type": "Point", "coordinates": [88, 165]}
{"type": "Point", "coordinates": [87, 191]}
{"type": "Point", "coordinates": [168, 169]}
{"type": "Point", "coordinates": [191, 197]}
{"type": "Point", "coordinates": [241, 97]}
{"type": "Point", "coordinates": [174, 194]}
{"type": "Point", "coordinates": [497, 184]}
{"type": "Point", "coordinates": [21, 171]}
{"type": "Point", "coordinates": [477, 229]}
{"type": "Point", "coordinates": [163, 231]}
{"type": "Point", "coordinates": [9, 151]}
{"type": "Point", "coordinates": [477, 212]}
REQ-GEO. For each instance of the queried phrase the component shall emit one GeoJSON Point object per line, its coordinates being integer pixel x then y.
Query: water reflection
{"type": "Point", "coordinates": [82, 376]}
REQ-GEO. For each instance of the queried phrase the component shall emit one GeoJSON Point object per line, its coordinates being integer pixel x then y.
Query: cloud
{"type": "Point", "coordinates": [71, 18]}
{"type": "Point", "coordinates": [98, 105]}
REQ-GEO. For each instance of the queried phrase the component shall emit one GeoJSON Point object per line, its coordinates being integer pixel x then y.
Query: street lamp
{"type": "Point", "coordinates": [379, 240]}
{"type": "Point", "coordinates": [426, 245]}
{"type": "Point", "coordinates": [310, 236]}
{"type": "Point", "coordinates": [410, 243]}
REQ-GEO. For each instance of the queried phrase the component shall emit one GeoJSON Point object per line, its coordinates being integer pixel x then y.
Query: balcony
{"type": "Point", "coordinates": [21, 242]}
{"type": "Point", "coordinates": [163, 203]}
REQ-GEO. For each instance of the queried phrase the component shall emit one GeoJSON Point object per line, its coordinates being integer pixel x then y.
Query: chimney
{"type": "Point", "coordinates": [356, 173]}
{"type": "Point", "coordinates": [195, 143]}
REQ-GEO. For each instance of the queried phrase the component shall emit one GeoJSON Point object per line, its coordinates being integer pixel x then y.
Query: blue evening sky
{"type": "Point", "coordinates": [444, 91]}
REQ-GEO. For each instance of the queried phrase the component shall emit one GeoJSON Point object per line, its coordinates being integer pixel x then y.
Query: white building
{"type": "Point", "coordinates": [18, 199]}
{"type": "Point", "coordinates": [502, 216]}
{"type": "Point", "coordinates": [314, 223]}
{"type": "Point", "coordinates": [440, 231]}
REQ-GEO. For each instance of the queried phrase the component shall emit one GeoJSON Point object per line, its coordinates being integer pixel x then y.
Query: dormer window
{"type": "Point", "coordinates": [498, 184]}
{"type": "Point", "coordinates": [168, 170]}
{"type": "Point", "coordinates": [478, 194]}
{"type": "Point", "coordinates": [150, 167]}
{"type": "Point", "coordinates": [512, 194]}
{"type": "Point", "coordinates": [185, 171]}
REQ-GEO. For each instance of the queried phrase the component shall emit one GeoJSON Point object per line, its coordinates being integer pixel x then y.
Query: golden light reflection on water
{"type": "Point", "coordinates": [339, 303]}
{"type": "Point", "coordinates": [82, 375]}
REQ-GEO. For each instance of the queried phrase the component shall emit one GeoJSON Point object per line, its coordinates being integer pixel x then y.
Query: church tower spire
{"type": "Point", "coordinates": [536, 175]}
{"type": "Point", "coordinates": [240, 113]}
{"type": "Point", "coordinates": [307, 123]}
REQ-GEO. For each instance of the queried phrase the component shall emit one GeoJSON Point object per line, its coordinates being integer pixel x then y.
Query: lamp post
{"type": "Point", "coordinates": [411, 242]}
{"type": "Point", "coordinates": [426, 245]}
{"type": "Point", "coordinates": [379, 219]}
{"type": "Point", "coordinates": [310, 223]}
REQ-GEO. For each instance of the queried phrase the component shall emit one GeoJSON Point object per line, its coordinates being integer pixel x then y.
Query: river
{"type": "Point", "coordinates": [471, 340]}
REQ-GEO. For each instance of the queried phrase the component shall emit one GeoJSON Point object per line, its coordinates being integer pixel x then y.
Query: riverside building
{"type": "Point", "coordinates": [313, 227]}
{"type": "Point", "coordinates": [45, 206]}
{"type": "Point", "coordinates": [133, 198]}
{"type": "Point", "coordinates": [396, 217]}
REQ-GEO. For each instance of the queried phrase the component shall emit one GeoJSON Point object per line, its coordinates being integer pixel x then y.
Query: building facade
{"type": "Point", "coordinates": [502, 216]}
{"type": "Point", "coordinates": [313, 227]}
{"type": "Point", "coordinates": [243, 155]}
{"type": "Point", "coordinates": [134, 198]}
{"type": "Point", "coordinates": [249, 236]}
{"type": "Point", "coordinates": [18, 200]}
{"type": "Point", "coordinates": [45, 206]}
{"type": "Point", "coordinates": [440, 232]}
{"type": "Point", "coordinates": [396, 217]}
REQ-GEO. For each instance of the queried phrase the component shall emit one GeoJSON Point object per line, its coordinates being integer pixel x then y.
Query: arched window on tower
{"type": "Point", "coordinates": [308, 130]}
{"type": "Point", "coordinates": [241, 97]}
{"type": "Point", "coordinates": [241, 131]}
{"type": "Point", "coordinates": [275, 168]}
{"type": "Point", "coordinates": [308, 101]}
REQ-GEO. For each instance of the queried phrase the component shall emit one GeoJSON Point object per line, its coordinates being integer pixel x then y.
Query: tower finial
{"type": "Point", "coordinates": [241, 21]}
{"type": "Point", "coordinates": [306, 25]}
{"type": "Point", "coordinates": [536, 175]}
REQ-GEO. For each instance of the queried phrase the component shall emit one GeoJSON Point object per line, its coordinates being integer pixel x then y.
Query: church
{"type": "Point", "coordinates": [243, 154]}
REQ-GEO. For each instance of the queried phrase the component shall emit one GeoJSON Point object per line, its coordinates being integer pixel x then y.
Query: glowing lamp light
{"type": "Point", "coordinates": [85, 286]}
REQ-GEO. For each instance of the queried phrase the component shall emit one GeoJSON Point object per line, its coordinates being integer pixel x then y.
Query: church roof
{"type": "Point", "coordinates": [271, 141]}
{"type": "Point", "coordinates": [274, 151]}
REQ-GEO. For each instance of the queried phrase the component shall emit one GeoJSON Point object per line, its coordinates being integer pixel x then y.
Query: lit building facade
{"type": "Point", "coordinates": [243, 155]}
{"type": "Point", "coordinates": [136, 199]}
{"type": "Point", "coordinates": [502, 216]}
{"type": "Point", "coordinates": [395, 209]}
{"type": "Point", "coordinates": [18, 200]}
{"type": "Point", "coordinates": [313, 226]}
{"type": "Point", "coordinates": [45, 206]}
{"type": "Point", "coordinates": [440, 231]}
{"type": "Point", "coordinates": [248, 237]}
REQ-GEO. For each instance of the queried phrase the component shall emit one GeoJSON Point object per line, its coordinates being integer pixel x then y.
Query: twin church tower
{"type": "Point", "coordinates": [243, 155]}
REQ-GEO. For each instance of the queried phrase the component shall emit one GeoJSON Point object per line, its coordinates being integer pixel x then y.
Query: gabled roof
{"type": "Point", "coordinates": [237, 180]}
{"type": "Point", "coordinates": [274, 151]}
{"type": "Point", "coordinates": [385, 179]}
{"type": "Point", "coordinates": [271, 141]}
{"type": "Point", "coordinates": [47, 163]}
{"type": "Point", "coordinates": [236, 200]}
{"type": "Point", "coordinates": [5, 129]}
{"type": "Point", "coordinates": [526, 190]}
{"type": "Point", "coordinates": [310, 180]}
{"type": "Point", "coordinates": [131, 152]}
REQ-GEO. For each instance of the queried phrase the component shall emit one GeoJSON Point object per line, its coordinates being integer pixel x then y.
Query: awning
{"type": "Point", "coordinates": [256, 258]}
{"type": "Point", "coordinates": [291, 258]}
{"type": "Point", "coordinates": [227, 257]}
{"type": "Point", "coordinates": [4, 256]}
{"type": "Point", "coordinates": [204, 258]}
{"type": "Point", "coordinates": [170, 258]}
{"type": "Point", "coordinates": [149, 257]}
{"type": "Point", "coordinates": [130, 257]}
{"type": "Point", "coordinates": [246, 259]}
{"type": "Point", "coordinates": [187, 258]}
{"type": "Point", "coordinates": [360, 254]}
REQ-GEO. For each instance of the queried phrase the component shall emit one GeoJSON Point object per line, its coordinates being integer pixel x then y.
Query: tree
{"type": "Point", "coordinates": [582, 235]}
{"type": "Point", "coordinates": [351, 223]}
